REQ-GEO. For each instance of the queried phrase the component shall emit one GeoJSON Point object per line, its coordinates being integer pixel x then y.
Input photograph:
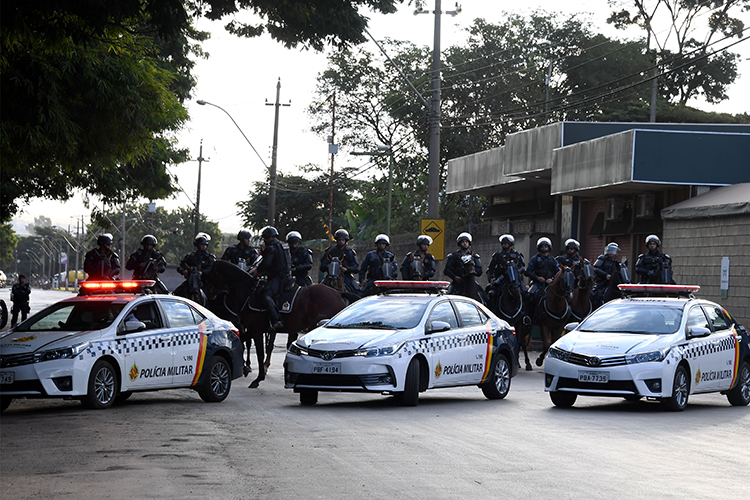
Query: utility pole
{"type": "Point", "coordinates": [197, 193]}
{"type": "Point", "coordinates": [272, 173]}
{"type": "Point", "coordinates": [332, 148]}
{"type": "Point", "coordinates": [433, 207]}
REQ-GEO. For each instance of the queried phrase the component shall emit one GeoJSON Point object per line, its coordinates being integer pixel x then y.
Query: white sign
{"type": "Point", "coordinates": [724, 277]}
{"type": "Point", "coordinates": [63, 258]}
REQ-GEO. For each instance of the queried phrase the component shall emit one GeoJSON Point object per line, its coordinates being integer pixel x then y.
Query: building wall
{"type": "Point", "coordinates": [697, 247]}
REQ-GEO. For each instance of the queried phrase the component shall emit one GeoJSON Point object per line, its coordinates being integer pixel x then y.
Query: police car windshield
{"type": "Point", "coordinates": [657, 318]}
{"type": "Point", "coordinates": [382, 314]}
{"type": "Point", "coordinates": [74, 316]}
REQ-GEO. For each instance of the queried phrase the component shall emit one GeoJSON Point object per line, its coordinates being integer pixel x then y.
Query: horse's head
{"type": "Point", "coordinates": [587, 276]}
{"type": "Point", "coordinates": [334, 267]}
{"type": "Point", "coordinates": [467, 262]}
{"type": "Point", "coordinates": [511, 271]}
{"type": "Point", "coordinates": [223, 277]}
{"type": "Point", "coordinates": [623, 274]}
{"type": "Point", "coordinates": [416, 267]}
{"type": "Point", "coordinates": [563, 282]}
{"type": "Point", "coordinates": [386, 269]}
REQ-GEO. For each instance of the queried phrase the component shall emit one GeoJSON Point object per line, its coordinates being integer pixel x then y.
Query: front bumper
{"type": "Point", "coordinates": [642, 379]}
{"type": "Point", "coordinates": [57, 378]}
{"type": "Point", "coordinates": [356, 374]}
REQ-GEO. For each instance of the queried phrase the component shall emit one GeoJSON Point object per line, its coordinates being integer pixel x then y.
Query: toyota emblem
{"type": "Point", "coordinates": [593, 361]}
{"type": "Point", "coordinates": [327, 356]}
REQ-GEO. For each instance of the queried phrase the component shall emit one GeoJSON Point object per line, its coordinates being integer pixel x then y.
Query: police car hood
{"type": "Point", "coordinates": [335, 339]}
{"type": "Point", "coordinates": [604, 343]}
{"type": "Point", "coordinates": [25, 342]}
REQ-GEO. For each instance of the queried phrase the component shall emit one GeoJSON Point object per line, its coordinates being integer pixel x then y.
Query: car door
{"type": "Point", "coordinates": [147, 354]}
{"type": "Point", "coordinates": [187, 340]}
{"type": "Point", "coordinates": [699, 352]}
{"type": "Point", "coordinates": [724, 345]}
{"type": "Point", "coordinates": [445, 348]}
{"type": "Point", "coordinates": [473, 322]}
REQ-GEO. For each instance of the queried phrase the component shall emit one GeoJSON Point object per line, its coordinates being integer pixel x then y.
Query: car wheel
{"type": "Point", "coordinates": [680, 391]}
{"type": "Point", "coordinates": [217, 381]}
{"type": "Point", "coordinates": [563, 399]}
{"type": "Point", "coordinates": [739, 395]}
{"type": "Point", "coordinates": [410, 396]}
{"type": "Point", "coordinates": [498, 385]}
{"type": "Point", "coordinates": [102, 388]}
{"type": "Point", "coordinates": [5, 403]}
{"type": "Point", "coordinates": [122, 397]}
{"type": "Point", "coordinates": [308, 397]}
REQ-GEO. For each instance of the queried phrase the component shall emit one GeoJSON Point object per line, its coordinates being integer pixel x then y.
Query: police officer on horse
{"type": "Point", "coordinates": [541, 271]}
{"type": "Point", "coordinates": [571, 258]}
{"type": "Point", "coordinates": [301, 259]}
{"type": "Point", "coordinates": [372, 266]}
{"type": "Point", "coordinates": [496, 271]}
{"type": "Point", "coordinates": [461, 264]}
{"type": "Point", "coordinates": [605, 266]}
{"type": "Point", "coordinates": [146, 262]}
{"type": "Point", "coordinates": [649, 265]}
{"type": "Point", "coordinates": [200, 261]}
{"type": "Point", "coordinates": [347, 256]}
{"type": "Point", "coordinates": [428, 261]}
{"type": "Point", "coordinates": [276, 266]}
{"type": "Point", "coordinates": [242, 254]}
{"type": "Point", "coordinates": [102, 263]}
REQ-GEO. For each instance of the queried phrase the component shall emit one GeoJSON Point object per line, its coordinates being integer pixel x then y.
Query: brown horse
{"type": "Point", "coordinates": [230, 291]}
{"type": "Point", "coordinates": [580, 304]}
{"type": "Point", "coordinates": [554, 309]}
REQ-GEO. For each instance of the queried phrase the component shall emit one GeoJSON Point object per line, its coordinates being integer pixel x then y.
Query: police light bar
{"type": "Point", "coordinates": [132, 286]}
{"type": "Point", "coordinates": [663, 289]}
{"type": "Point", "coordinates": [415, 285]}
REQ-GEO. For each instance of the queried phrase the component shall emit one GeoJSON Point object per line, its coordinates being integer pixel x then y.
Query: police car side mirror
{"type": "Point", "coordinates": [134, 325]}
{"type": "Point", "coordinates": [698, 332]}
{"type": "Point", "coordinates": [570, 327]}
{"type": "Point", "coordinates": [439, 326]}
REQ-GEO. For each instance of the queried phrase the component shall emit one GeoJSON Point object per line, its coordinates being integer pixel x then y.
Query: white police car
{"type": "Point", "coordinates": [403, 344]}
{"type": "Point", "coordinates": [103, 346]}
{"type": "Point", "coordinates": [656, 347]}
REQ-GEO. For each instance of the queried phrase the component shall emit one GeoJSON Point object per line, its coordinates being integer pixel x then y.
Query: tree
{"type": "Point", "coordinates": [93, 92]}
{"type": "Point", "coordinates": [693, 66]}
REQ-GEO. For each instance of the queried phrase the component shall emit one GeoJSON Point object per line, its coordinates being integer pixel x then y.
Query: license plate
{"type": "Point", "coordinates": [7, 377]}
{"type": "Point", "coordinates": [327, 368]}
{"type": "Point", "coordinates": [596, 377]}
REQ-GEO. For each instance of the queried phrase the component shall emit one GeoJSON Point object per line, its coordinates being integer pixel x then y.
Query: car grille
{"type": "Point", "coordinates": [595, 361]}
{"type": "Point", "coordinates": [312, 379]}
{"type": "Point", "coordinates": [612, 385]}
{"type": "Point", "coordinates": [331, 354]}
{"type": "Point", "coordinates": [16, 360]}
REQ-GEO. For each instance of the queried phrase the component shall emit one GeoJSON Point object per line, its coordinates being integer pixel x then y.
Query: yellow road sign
{"type": "Point", "coordinates": [435, 229]}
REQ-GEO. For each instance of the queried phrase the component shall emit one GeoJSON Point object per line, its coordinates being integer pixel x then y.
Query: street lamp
{"type": "Point", "coordinates": [382, 151]}
{"type": "Point", "coordinates": [271, 173]}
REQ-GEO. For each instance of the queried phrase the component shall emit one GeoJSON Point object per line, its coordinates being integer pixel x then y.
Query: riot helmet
{"type": "Point", "coordinates": [612, 249]}
{"type": "Point", "coordinates": [201, 239]}
{"type": "Point", "coordinates": [382, 238]}
{"type": "Point", "coordinates": [463, 237]}
{"type": "Point", "coordinates": [571, 243]}
{"type": "Point", "coordinates": [293, 237]}
{"type": "Point", "coordinates": [341, 233]}
{"type": "Point", "coordinates": [149, 239]}
{"type": "Point", "coordinates": [654, 238]}
{"type": "Point", "coordinates": [423, 239]}
{"type": "Point", "coordinates": [104, 239]}
{"type": "Point", "coordinates": [244, 234]}
{"type": "Point", "coordinates": [507, 238]}
{"type": "Point", "coordinates": [269, 232]}
{"type": "Point", "coordinates": [543, 241]}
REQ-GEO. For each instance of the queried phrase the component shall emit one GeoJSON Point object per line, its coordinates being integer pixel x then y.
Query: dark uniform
{"type": "Point", "coordinates": [540, 266]}
{"type": "Point", "coordinates": [19, 295]}
{"type": "Point", "coordinates": [348, 258]}
{"type": "Point", "coordinates": [499, 263]}
{"type": "Point", "coordinates": [372, 267]}
{"type": "Point", "coordinates": [454, 268]}
{"type": "Point", "coordinates": [200, 259]}
{"type": "Point", "coordinates": [239, 251]}
{"type": "Point", "coordinates": [145, 265]}
{"type": "Point", "coordinates": [101, 265]}
{"type": "Point", "coordinates": [429, 266]}
{"type": "Point", "coordinates": [649, 266]}
{"type": "Point", "coordinates": [302, 262]}
{"type": "Point", "coordinates": [276, 265]}
{"type": "Point", "coordinates": [568, 260]}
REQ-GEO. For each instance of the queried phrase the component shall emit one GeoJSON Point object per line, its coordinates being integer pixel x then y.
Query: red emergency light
{"type": "Point", "coordinates": [659, 289]}
{"type": "Point", "coordinates": [132, 286]}
{"type": "Point", "coordinates": [414, 285]}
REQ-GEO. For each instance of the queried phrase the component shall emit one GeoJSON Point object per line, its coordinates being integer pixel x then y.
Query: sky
{"type": "Point", "coordinates": [241, 75]}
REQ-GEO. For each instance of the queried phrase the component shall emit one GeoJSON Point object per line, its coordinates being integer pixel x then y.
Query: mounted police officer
{"type": "Point", "coordinates": [301, 259]}
{"type": "Point", "coordinates": [201, 260]}
{"type": "Point", "coordinates": [604, 267]}
{"type": "Point", "coordinates": [459, 262]}
{"type": "Point", "coordinates": [372, 266]}
{"type": "Point", "coordinates": [428, 261]}
{"type": "Point", "coordinates": [496, 271]}
{"type": "Point", "coordinates": [571, 258]}
{"type": "Point", "coordinates": [241, 254]}
{"type": "Point", "coordinates": [649, 265]}
{"type": "Point", "coordinates": [541, 271]}
{"type": "Point", "coordinates": [347, 256]}
{"type": "Point", "coordinates": [102, 263]}
{"type": "Point", "coordinates": [19, 295]}
{"type": "Point", "coordinates": [146, 262]}
{"type": "Point", "coordinates": [276, 266]}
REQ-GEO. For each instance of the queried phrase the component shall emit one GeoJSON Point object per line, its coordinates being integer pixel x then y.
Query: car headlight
{"type": "Point", "coordinates": [62, 353]}
{"type": "Point", "coordinates": [295, 349]}
{"type": "Point", "coordinates": [645, 357]}
{"type": "Point", "coordinates": [555, 352]}
{"type": "Point", "coordinates": [387, 350]}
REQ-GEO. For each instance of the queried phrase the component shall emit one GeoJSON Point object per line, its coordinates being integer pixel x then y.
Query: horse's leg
{"type": "Point", "coordinates": [248, 368]}
{"type": "Point", "coordinates": [270, 340]}
{"type": "Point", "coordinates": [546, 342]}
{"type": "Point", "coordinates": [290, 337]}
{"type": "Point", "coordinates": [259, 348]}
{"type": "Point", "coordinates": [525, 338]}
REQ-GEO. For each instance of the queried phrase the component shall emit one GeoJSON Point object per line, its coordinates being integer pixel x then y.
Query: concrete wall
{"type": "Point", "coordinates": [697, 246]}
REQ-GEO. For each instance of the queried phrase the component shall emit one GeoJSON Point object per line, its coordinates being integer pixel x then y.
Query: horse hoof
{"type": "Point", "coordinates": [529, 367]}
{"type": "Point", "coordinates": [253, 385]}
{"type": "Point", "coordinates": [539, 361]}
{"type": "Point", "coordinates": [267, 365]}
{"type": "Point", "coordinates": [247, 370]}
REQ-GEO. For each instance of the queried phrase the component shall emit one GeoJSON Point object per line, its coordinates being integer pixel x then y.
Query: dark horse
{"type": "Point", "coordinates": [469, 286]}
{"type": "Point", "coordinates": [510, 307]}
{"type": "Point", "coordinates": [581, 305]}
{"type": "Point", "coordinates": [230, 292]}
{"type": "Point", "coordinates": [335, 279]}
{"type": "Point", "coordinates": [553, 309]}
{"type": "Point", "coordinates": [620, 275]}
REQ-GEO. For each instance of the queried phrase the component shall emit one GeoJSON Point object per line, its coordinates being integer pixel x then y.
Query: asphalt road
{"type": "Point", "coordinates": [260, 443]}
